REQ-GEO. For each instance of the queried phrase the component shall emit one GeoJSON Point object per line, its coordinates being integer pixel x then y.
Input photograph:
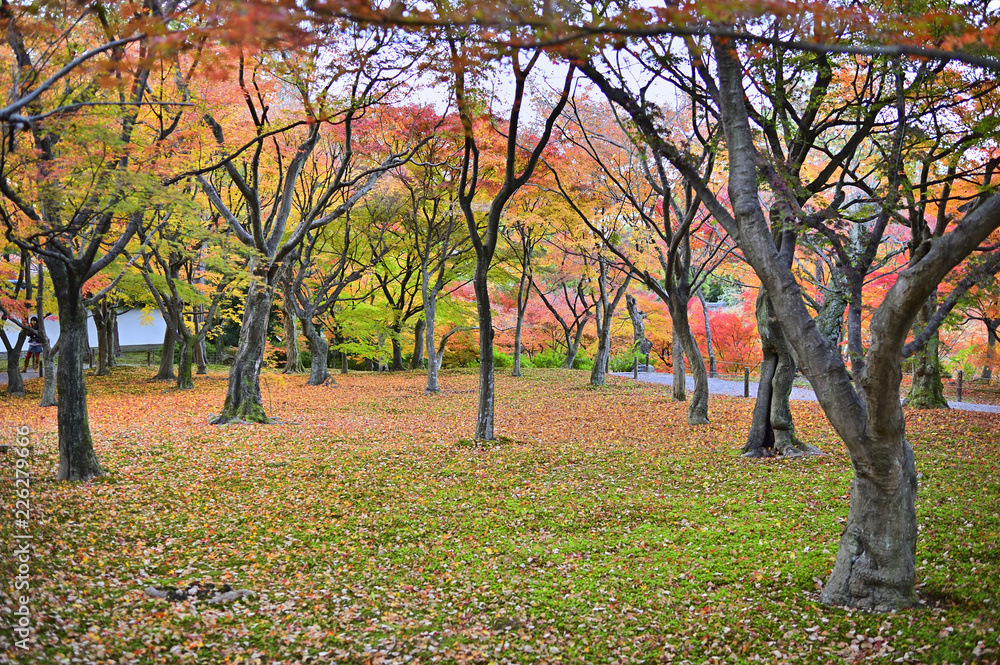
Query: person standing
{"type": "Point", "coordinates": [34, 346]}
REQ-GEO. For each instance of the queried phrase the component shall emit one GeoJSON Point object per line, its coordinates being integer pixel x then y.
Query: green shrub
{"type": "Point", "coordinates": [548, 358]}
{"type": "Point", "coordinates": [622, 362]}
{"type": "Point", "coordinates": [502, 360]}
{"type": "Point", "coordinates": [305, 357]}
{"type": "Point", "coordinates": [583, 361]}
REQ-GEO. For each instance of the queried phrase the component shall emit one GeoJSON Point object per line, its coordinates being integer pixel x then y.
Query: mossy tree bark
{"type": "Point", "coordinates": [165, 372]}
{"type": "Point", "coordinates": [243, 401]}
{"type": "Point", "coordinates": [319, 350]}
{"type": "Point", "coordinates": [927, 389]}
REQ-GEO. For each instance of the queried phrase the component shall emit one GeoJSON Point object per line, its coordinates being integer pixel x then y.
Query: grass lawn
{"type": "Point", "coordinates": [599, 529]}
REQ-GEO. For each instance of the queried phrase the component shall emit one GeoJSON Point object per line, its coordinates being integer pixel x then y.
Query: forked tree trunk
{"type": "Point", "coordinates": [927, 389]}
{"type": "Point", "coordinates": [487, 386]}
{"type": "Point", "coordinates": [243, 401]}
{"type": "Point", "coordinates": [417, 361]}
{"type": "Point", "coordinates": [166, 369]}
{"type": "Point", "coordinates": [772, 430]}
{"type": "Point", "coordinates": [105, 339]}
{"type": "Point", "coordinates": [77, 459]}
{"type": "Point", "coordinates": [319, 350]}
{"type": "Point", "coordinates": [573, 345]}
{"type": "Point", "coordinates": [15, 383]}
{"type": "Point", "coordinates": [523, 293]}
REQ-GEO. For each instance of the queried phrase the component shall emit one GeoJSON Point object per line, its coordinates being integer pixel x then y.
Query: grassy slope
{"type": "Point", "coordinates": [603, 529]}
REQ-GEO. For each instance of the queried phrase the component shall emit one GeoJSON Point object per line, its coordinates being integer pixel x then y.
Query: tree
{"type": "Point", "coordinates": [73, 198]}
{"type": "Point", "coordinates": [484, 241]}
{"type": "Point", "coordinates": [875, 563]}
{"type": "Point", "coordinates": [366, 68]}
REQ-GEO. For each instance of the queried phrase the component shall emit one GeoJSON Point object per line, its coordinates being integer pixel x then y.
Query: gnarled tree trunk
{"type": "Point", "coordinates": [927, 389]}
{"type": "Point", "coordinates": [166, 369]}
{"type": "Point", "coordinates": [243, 400]}
{"type": "Point", "coordinates": [319, 351]}
{"type": "Point", "coordinates": [15, 383]}
{"type": "Point", "coordinates": [293, 362]}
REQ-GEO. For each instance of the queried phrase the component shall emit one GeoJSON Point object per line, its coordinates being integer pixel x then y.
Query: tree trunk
{"type": "Point", "coordinates": [166, 370]}
{"type": "Point", "coordinates": [708, 336]}
{"type": "Point", "coordinates": [184, 379]}
{"type": "Point", "coordinates": [698, 406]}
{"type": "Point", "coordinates": [680, 381]}
{"type": "Point", "coordinates": [876, 561]}
{"type": "Point", "coordinates": [77, 459]}
{"type": "Point", "coordinates": [523, 293]}
{"type": "Point", "coordinates": [293, 362]}
{"type": "Point", "coordinates": [15, 383]}
{"type": "Point", "coordinates": [927, 389]}
{"type": "Point", "coordinates": [102, 321]}
{"type": "Point", "coordinates": [201, 356]}
{"type": "Point", "coordinates": [433, 361]}
{"type": "Point", "coordinates": [49, 386]}
{"type": "Point", "coordinates": [417, 361]}
{"type": "Point", "coordinates": [573, 346]}
{"type": "Point", "coordinates": [115, 339]}
{"type": "Point", "coordinates": [397, 348]}
{"type": "Point", "coordinates": [772, 431]}
{"type": "Point", "coordinates": [487, 387]}
{"type": "Point", "coordinates": [319, 350]}
{"type": "Point", "coordinates": [243, 401]}
{"type": "Point", "coordinates": [597, 373]}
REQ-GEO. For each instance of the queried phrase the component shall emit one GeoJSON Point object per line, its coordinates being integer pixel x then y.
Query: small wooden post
{"type": "Point", "coordinates": [635, 368]}
{"type": "Point", "coordinates": [149, 357]}
{"type": "Point", "coordinates": [959, 398]}
{"type": "Point", "coordinates": [746, 382]}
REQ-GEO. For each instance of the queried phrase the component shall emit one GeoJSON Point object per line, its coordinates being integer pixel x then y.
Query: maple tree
{"type": "Point", "coordinates": [73, 198]}
{"type": "Point", "coordinates": [330, 98]}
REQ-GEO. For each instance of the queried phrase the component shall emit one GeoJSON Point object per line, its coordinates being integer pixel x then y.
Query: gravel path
{"type": "Point", "coordinates": [735, 389]}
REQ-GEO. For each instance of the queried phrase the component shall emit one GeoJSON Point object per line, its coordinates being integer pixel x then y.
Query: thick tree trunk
{"type": "Point", "coordinates": [772, 431]}
{"type": "Point", "coordinates": [15, 383]}
{"type": "Point", "coordinates": [184, 379]}
{"type": "Point", "coordinates": [927, 389]}
{"type": "Point", "coordinates": [293, 362]}
{"type": "Point", "coordinates": [115, 339]}
{"type": "Point", "coordinates": [876, 561]}
{"type": "Point", "coordinates": [487, 387]}
{"type": "Point", "coordinates": [243, 400]}
{"type": "Point", "coordinates": [319, 350]}
{"type": "Point", "coordinates": [597, 373]}
{"type": "Point", "coordinates": [166, 369]}
{"type": "Point", "coordinates": [417, 361]}
{"type": "Point", "coordinates": [77, 459]}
